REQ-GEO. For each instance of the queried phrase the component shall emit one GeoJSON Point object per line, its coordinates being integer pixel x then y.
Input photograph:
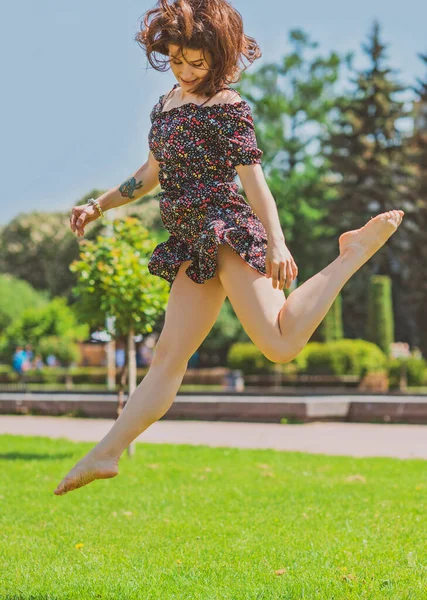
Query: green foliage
{"type": "Point", "coordinates": [54, 319]}
{"type": "Point", "coordinates": [113, 280]}
{"type": "Point", "coordinates": [327, 359]}
{"type": "Point", "coordinates": [370, 170]}
{"type": "Point", "coordinates": [380, 324]}
{"type": "Point", "coordinates": [38, 247]}
{"type": "Point", "coordinates": [341, 357]}
{"type": "Point", "coordinates": [247, 357]}
{"type": "Point", "coordinates": [65, 350]}
{"type": "Point", "coordinates": [416, 371]}
{"type": "Point", "coordinates": [370, 356]}
{"type": "Point", "coordinates": [15, 296]}
{"type": "Point", "coordinates": [331, 328]}
{"type": "Point", "coordinates": [415, 256]}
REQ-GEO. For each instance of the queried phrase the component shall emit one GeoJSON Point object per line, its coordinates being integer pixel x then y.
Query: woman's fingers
{"type": "Point", "coordinates": [73, 220]}
{"type": "Point", "coordinates": [80, 223]}
{"type": "Point", "coordinates": [295, 271]}
{"type": "Point", "coordinates": [282, 274]}
{"type": "Point", "coordinates": [291, 273]}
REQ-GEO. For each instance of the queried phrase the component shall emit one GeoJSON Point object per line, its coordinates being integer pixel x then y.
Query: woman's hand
{"type": "Point", "coordinates": [81, 216]}
{"type": "Point", "coordinates": [280, 265]}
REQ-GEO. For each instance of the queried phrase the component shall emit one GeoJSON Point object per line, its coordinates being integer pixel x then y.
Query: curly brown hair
{"type": "Point", "coordinates": [212, 25]}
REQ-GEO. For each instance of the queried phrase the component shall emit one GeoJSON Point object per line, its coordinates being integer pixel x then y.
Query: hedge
{"type": "Point", "coordinates": [339, 357]}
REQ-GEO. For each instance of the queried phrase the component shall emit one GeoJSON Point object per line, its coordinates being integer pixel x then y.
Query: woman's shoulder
{"type": "Point", "coordinates": [158, 107]}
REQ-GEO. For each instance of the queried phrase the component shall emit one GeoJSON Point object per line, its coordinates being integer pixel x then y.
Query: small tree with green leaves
{"type": "Point", "coordinates": [113, 280]}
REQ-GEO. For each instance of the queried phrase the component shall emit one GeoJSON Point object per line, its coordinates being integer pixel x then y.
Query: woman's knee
{"type": "Point", "coordinates": [283, 352]}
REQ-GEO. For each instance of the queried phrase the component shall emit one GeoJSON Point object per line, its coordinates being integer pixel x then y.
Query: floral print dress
{"type": "Point", "coordinates": [198, 148]}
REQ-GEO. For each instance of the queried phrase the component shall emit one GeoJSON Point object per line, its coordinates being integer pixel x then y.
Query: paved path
{"type": "Point", "coordinates": [345, 439]}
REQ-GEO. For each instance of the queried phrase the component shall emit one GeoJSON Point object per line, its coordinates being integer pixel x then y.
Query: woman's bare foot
{"type": "Point", "coordinates": [90, 467]}
{"type": "Point", "coordinates": [361, 244]}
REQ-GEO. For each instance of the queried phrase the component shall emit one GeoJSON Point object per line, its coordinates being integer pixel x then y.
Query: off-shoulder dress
{"type": "Point", "coordinates": [198, 148]}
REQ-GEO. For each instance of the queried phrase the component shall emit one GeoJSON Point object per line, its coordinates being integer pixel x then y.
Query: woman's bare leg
{"type": "Point", "coordinates": [281, 327]}
{"type": "Point", "coordinates": [190, 314]}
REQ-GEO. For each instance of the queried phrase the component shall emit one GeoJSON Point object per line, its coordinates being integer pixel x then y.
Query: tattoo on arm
{"type": "Point", "coordinates": [129, 186]}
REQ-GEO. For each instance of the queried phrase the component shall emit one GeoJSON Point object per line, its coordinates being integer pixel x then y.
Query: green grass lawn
{"type": "Point", "coordinates": [192, 522]}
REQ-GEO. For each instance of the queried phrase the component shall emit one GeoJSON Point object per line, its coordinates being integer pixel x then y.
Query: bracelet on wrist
{"type": "Point", "coordinates": [97, 205]}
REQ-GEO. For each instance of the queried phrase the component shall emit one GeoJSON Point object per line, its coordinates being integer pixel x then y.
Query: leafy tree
{"type": "Point", "coordinates": [15, 296]}
{"type": "Point", "coordinates": [54, 319]}
{"type": "Point", "coordinates": [38, 248]}
{"type": "Point", "coordinates": [417, 251]}
{"type": "Point", "coordinates": [372, 172]}
{"type": "Point", "coordinates": [113, 280]}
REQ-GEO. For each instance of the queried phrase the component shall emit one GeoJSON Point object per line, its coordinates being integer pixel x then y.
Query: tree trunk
{"type": "Point", "coordinates": [132, 376]}
{"type": "Point", "coordinates": [68, 380]}
{"type": "Point", "coordinates": [111, 354]}
{"type": "Point", "coordinates": [121, 391]}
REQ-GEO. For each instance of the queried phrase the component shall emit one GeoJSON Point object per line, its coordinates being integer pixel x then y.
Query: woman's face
{"type": "Point", "coordinates": [190, 67]}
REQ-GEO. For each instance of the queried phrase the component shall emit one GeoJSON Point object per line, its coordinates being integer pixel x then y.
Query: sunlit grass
{"type": "Point", "coordinates": [194, 522]}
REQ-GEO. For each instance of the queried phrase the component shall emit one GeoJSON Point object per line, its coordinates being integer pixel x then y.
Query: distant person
{"type": "Point", "coordinates": [38, 362]}
{"type": "Point", "coordinates": [51, 360]}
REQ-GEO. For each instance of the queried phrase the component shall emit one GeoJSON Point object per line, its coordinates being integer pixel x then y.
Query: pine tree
{"type": "Point", "coordinates": [370, 163]}
{"type": "Point", "coordinates": [417, 252]}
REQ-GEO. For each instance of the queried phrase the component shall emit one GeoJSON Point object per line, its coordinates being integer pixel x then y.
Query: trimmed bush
{"type": "Point", "coordinates": [248, 358]}
{"type": "Point", "coordinates": [331, 328]}
{"type": "Point", "coordinates": [325, 359]}
{"type": "Point", "coordinates": [341, 357]}
{"type": "Point", "coordinates": [79, 375]}
{"type": "Point", "coordinates": [380, 324]}
{"type": "Point", "coordinates": [370, 356]}
{"type": "Point", "coordinates": [416, 371]}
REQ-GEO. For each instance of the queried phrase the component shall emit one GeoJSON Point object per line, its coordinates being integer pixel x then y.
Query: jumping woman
{"type": "Point", "coordinates": [202, 134]}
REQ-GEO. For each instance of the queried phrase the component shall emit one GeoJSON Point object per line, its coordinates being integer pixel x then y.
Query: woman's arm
{"type": "Point", "coordinates": [261, 199]}
{"type": "Point", "coordinates": [279, 262]}
{"type": "Point", "coordinates": [139, 184]}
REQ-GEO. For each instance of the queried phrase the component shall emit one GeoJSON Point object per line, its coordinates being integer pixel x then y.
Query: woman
{"type": "Point", "coordinates": [202, 134]}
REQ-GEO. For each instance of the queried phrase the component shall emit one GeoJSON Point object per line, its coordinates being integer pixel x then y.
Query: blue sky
{"type": "Point", "coordinates": [78, 90]}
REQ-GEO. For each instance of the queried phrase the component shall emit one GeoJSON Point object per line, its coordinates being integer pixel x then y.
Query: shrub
{"type": "Point", "coordinates": [326, 359]}
{"type": "Point", "coordinates": [248, 358]}
{"type": "Point", "coordinates": [370, 356]}
{"type": "Point", "coordinates": [331, 327]}
{"type": "Point", "coordinates": [341, 357]}
{"type": "Point", "coordinates": [416, 371]}
{"type": "Point", "coordinates": [380, 324]}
